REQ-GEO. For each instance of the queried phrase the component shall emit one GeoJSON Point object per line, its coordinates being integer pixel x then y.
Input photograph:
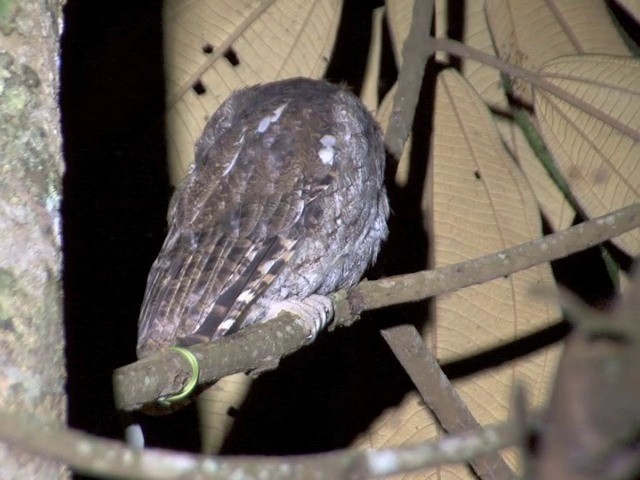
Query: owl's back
{"type": "Point", "coordinates": [285, 199]}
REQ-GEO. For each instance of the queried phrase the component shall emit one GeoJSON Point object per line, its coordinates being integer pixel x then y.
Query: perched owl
{"type": "Point", "coordinates": [285, 201]}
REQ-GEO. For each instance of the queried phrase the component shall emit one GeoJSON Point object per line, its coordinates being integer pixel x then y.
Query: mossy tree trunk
{"type": "Point", "coordinates": [32, 369]}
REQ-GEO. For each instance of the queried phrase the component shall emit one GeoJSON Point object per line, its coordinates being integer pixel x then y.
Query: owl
{"type": "Point", "coordinates": [284, 204]}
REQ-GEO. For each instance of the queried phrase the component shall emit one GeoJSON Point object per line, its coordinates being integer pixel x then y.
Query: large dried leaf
{"type": "Point", "coordinates": [269, 40]}
{"type": "Point", "coordinates": [481, 204]}
{"type": "Point", "coordinates": [557, 210]}
{"type": "Point", "coordinates": [487, 82]}
{"type": "Point", "coordinates": [531, 32]}
{"type": "Point", "coordinates": [598, 157]}
{"type": "Point", "coordinates": [214, 407]}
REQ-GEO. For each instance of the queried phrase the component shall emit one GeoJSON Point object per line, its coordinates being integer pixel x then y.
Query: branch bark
{"type": "Point", "coordinates": [261, 346]}
{"type": "Point", "coordinates": [440, 396]}
{"type": "Point", "coordinates": [590, 429]}
{"type": "Point", "coordinates": [95, 456]}
{"type": "Point", "coordinates": [416, 50]}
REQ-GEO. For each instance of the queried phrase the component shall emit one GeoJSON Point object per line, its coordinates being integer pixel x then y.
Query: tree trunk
{"type": "Point", "coordinates": [32, 374]}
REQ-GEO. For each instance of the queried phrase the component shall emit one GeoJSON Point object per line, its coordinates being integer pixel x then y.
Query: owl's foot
{"type": "Point", "coordinates": [315, 312]}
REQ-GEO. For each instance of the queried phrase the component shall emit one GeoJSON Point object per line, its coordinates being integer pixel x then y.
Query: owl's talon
{"type": "Point", "coordinates": [315, 312]}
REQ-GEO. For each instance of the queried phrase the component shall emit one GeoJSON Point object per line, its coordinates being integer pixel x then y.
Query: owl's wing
{"type": "Point", "coordinates": [199, 295]}
{"type": "Point", "coordinates": [210, 270]}
{"type": "Point", "coordinates": [234, 224]}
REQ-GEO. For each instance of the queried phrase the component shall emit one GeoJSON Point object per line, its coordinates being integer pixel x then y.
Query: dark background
{"type": "Point", "coordinates": [116, 192]}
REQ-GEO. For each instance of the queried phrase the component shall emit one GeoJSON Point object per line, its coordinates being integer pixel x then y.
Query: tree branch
{"type": "Point", "coordinates": [592, 420]}
{"type": "Point", "coordinates": [416, 50]}
{"type": "Point", "coordinates": [95, 456]}
{"type": "Point", "coordinates": [536, 79]}
{"type": "Point", "coordinates": [260, 347]}
{"type": "Point", "coordinates": [440, 396]}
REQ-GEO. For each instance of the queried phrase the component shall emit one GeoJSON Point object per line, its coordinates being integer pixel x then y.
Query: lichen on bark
{"type": "Point", "coordinates": [32, 373]}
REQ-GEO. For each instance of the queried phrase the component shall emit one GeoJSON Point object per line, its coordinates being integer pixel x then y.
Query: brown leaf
{"type": "Point", "coordinates": [531, 32]}
{"type": "Point", "coordinates": [487, 82]}
{"type": "Point", "coordinates": [598, 160]}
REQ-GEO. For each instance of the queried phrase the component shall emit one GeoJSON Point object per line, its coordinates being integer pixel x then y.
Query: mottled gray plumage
{"type": "Point", "coordinates": [286, 199]}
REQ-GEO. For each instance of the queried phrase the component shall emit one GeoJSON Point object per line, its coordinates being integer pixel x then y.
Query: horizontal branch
{"type": "Point", "coordinates": [259, 347]}
{"type": "Point", "coordinates": [109, 458]}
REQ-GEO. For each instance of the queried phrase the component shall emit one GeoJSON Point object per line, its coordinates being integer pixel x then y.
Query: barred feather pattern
{"type": "Point", "coordinates": [285, 199]}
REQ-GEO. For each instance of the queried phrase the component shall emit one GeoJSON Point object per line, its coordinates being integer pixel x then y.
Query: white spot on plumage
{"type": "Point", "coordinates": [245, 296]}
{"type": "Point", "coordinates": [269, 119]}
{"type": "Point", "coordinates": [227, 324]}
{"type": "Point", "coordinates": [326, 153]}
{"type": "Point", "coordinates": [231, 164]}
{"type": "Point", "coordinates": [264, 124]}
{"type": "Point", "coordinates": [266, 266]}
{"type": "Point", "coordinates": [235, 157]}
{"type": "Point", "coordinates": [277, 112]}
{"type": "Point", "coordinates": [328, 141]}
{"type": "Point", "coordinates": [287, 243]}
